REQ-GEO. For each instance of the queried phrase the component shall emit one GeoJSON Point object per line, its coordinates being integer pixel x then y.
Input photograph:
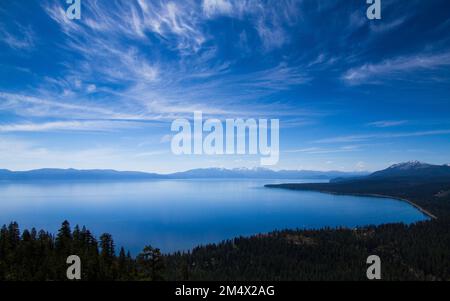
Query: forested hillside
{"type": "Point", "coordinates": [417, 252]}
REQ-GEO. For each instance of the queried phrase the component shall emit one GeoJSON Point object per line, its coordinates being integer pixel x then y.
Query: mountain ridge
{"type": "Point", "coordinates": [219, 173]}
{"type": "Point", "coordinates": [407, 171]}
{"type": "Point", "coordinates": [413, 169]}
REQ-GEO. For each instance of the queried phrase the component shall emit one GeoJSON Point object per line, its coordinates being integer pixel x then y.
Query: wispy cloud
{"type": "Point", "coordinates": [132, 65]}
{"type": "Point", "coordinates": [387, 26]}
{"type": "Point", "coordinates": [217, 7]}
{"type": "Point", "coordinates": [23, 40]}
{"type": "Point", "coordinates": [359, 138]}
{"type": "Point", "coordinates": [387, 123]}
{"type": "Point", "coordinates": [147, 84]}
{"type": "Point", "coordinates": [90, 125]}
{"type": "Point", "coordinates": [270, 24]}
{"type": "Point", "coordinates": [46, 106]}
{"type": "Point", "coordinates": [398, 68]}
{"type": "Point", "coordinates": [319, 150]}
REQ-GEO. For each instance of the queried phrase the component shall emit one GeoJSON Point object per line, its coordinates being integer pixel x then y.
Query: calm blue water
{"type": "Point", "coordinates": [180, 214]}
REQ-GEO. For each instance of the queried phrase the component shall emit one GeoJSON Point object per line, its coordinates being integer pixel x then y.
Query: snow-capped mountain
{"type": "Point", "coordinates": [414, 169]}
{"type": "Point", "coordinates": [410, 165]}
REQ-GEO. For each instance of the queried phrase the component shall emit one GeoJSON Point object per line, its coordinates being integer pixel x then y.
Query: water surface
{"type": "Point", "coordinates": [180, 214]}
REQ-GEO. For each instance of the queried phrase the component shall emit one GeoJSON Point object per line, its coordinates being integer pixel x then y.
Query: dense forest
{"type": "Point", "coordinates": [33, 255]}
{"type": "Point", "coordinates": [416, 252]}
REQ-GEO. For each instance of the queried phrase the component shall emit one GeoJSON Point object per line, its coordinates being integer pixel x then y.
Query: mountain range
{"type": "Point", "coordinates": [413, 170]}
{"type": "Point", "coordinates": [407, 170]}
{"type": "Point", "coordinates": [208, 173]}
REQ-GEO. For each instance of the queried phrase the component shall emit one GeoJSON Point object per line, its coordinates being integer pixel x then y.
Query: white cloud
{"type": "Point", "coordinates": [397, 68]}
{"type": "Point", "coordinates": [358, 138]}
{"type": "Point", "coordinates": [387, 123]}
{"type": "Point", "coordinates": [176, 22]}
{"type": "Point", "coordinates": [383, 27]}
{"type": "Point", "coordinates": [214, 7]}
{"type": "Point", "coordinates": [94, 126]}
{"type": "Point", "coordinates": [272, 35]}
{"type": "Point", "coordinates": [45, 106]}
{"type": "Point", "coordinates": [320, 151]}
{"type": "Point", "coordinates": [269, 18]}
{"type": "Point", "coordinates": [133, 84]}
{"type": "Point", "coordinates": [91, 88]}
{"type": "Point", "coordinates": [25, 40]}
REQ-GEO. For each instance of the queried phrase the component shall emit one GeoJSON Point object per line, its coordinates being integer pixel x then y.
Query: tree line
{"type": "Point", "coordinates": [408, 252]}
{"type": "Point", "coordinates": [40, 256]}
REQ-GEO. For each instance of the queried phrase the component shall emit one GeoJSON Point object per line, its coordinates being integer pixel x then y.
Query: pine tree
{"type": "Point", "coordinates": [151, 264]}
{"type": "Point", "coordinates": [107, 256]}
{"type": "Point", "coordinates": [64, 239]}
{"type": "Point", "coordinates": [123, 265]}
{"type": "Point", "coordinates": [4, 235]}
{"type": "Point", "coordinates": [13, 235]}
{"type": "Point", "coordinates": [107, 246]}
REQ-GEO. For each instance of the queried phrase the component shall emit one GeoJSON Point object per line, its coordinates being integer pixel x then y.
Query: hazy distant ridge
{"type": "Point", "coordinates": [218, 173]}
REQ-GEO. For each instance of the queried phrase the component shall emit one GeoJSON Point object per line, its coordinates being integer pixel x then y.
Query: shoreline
{"type": "Point", "coordinates": [418, 207]}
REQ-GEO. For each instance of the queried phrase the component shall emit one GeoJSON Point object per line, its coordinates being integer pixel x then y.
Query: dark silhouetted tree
{"type": "Point", "coordinates": [151, 264]}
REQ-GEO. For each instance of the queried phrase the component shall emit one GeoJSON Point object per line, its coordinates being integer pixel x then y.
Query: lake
{"type": "Point", "coordinates": [180, 214]}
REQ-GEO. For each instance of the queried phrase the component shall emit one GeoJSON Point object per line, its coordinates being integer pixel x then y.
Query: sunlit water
{"type": "Point", "coordinates": [180, 214]}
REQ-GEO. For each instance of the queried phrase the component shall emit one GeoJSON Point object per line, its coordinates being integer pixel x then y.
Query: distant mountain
{"type": "Point", "coordinates": [262, 173]}
{"type": "Point", "coordinates": [218, 173]}
{"type": "Point", "coordinates": [413, 170]}
{"type": "Point", "coordinates": [408, 170]}
{"type": "Point", "coordinates": [73, 174]}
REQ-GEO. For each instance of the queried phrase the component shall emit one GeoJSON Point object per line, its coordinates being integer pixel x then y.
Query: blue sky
{"type": "Point", "coordinates": [101, 92]}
